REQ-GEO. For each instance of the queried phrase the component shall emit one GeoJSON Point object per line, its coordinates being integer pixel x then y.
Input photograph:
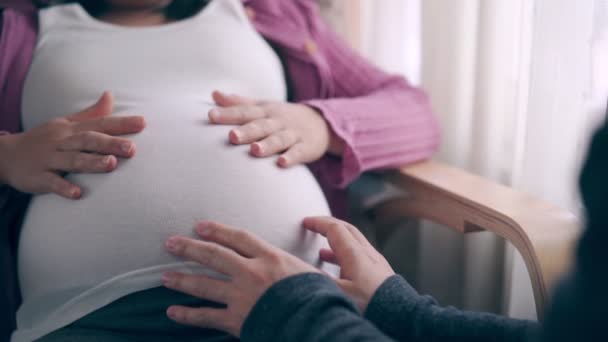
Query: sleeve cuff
{"type": "Point", "coordinates": [390, 307]}
{"type": "Point", "coordinates": [339, 172]}
{"type": "Point", "coordinates": [382, 130]}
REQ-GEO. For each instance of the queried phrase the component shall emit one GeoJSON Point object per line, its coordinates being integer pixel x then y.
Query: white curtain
{"type": "Point", "coordinates": [397, 22]}
{"type": "Point", "coordinates": [518, 86]}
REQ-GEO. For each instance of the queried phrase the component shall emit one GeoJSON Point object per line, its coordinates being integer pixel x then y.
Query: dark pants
{"type": "Point", "coordinates": [138, 317]}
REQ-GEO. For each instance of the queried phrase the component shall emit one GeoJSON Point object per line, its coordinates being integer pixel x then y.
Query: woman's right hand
{"type": "Point", "coordinates": [85, 142]}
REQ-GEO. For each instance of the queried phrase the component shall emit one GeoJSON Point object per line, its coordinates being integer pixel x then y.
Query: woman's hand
{"type": "Point", "coordinates": [251, 264]}
{"type": "Point", "coordinates": [362, 268]}
{"type": "Point", "coordinates": [84, 142]}
{"type": "Point", "coordinates": [297, 132]}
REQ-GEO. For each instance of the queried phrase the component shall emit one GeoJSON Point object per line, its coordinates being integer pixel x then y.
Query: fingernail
{"type": "Point", "coordinates": [214, 114]}
{"type": "Point", "coordinates": [256, 148]}
{"type": "Point", "coordinates": [172, 312]}
{"type": "Point", "coordinates": [127, 147]}
{"type": "Point", "coordinates": [173, 244]}
{"type": "Point", "coordinates": [168, 279]}
{"type": "Point", "coordinates": [74, 193]}
{"type": "Point", "coordinates": [201, 229]}
{"type": "Point", "coordinates": [235, 135]}
{"type": "Point", "coordinates": [138, 123]}
{"type": "Point", "coordinates": [282, 161]}
{"type": "Point", "coordinates": [106, 160]}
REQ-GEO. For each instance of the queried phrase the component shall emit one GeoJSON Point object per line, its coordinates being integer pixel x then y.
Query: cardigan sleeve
{"type": "Point", "coordinates": [404, 315]}
{"type": "Point", "coordinates": [383, 120]}
{"type": "Point", "coordinates": [3, 187]}
{"type": "Point", "coordinates": [17, 42]}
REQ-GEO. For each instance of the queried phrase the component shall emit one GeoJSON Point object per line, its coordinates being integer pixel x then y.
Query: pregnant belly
{"type": "Point", "coordinates": [184, 171]}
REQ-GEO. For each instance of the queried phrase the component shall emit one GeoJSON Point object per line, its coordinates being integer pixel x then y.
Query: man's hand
{"type": "Point", "coordinates": [362, 268]}
{"type": "Point", "coordinates": [252, 266]}
{"type": "Point", "coordinates": [85, 142]}
{"type": "Point", "coordinates": [298, 133]}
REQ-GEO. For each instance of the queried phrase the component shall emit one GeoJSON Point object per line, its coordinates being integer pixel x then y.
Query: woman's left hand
{"type": "Point", "coordinates": [251, 264]}
{"type": "Point", "coordinates": [298, 133]}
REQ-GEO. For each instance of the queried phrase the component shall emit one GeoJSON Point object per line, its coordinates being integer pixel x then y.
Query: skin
{"type": "Point", "coordinates": [137, 5]}
{"type": "Point", "coordinates": [297, 133]}
{"type": "Point", "coordinates": [84, 142]}
{"type": "Point", "coordinates": [135, 12]}
{"type": "Point", "coordinates": [252, 266]}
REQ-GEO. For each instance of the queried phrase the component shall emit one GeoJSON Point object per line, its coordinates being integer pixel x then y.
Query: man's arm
{"type": "Point", "coordinates": [403, 314]}
{"type": "Point", "coordinates": [579, 309]}
{"type": "Point", "coordinates": [307, 307]}
{"type": "Point", "coordinates": [310, 307]}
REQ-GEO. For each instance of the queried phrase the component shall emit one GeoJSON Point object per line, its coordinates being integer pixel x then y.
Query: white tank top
{"type": "Point", "coordinates": [77, 256]}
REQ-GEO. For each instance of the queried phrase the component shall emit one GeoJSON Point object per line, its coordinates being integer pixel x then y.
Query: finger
{"type": "Point", "coordinates": [343, 244]}
{"type": "Point", "coordinates": [325, 224]}
{"type": "Point", "coordinates": [229, 100]}
{"type": "Point", "coordinates": [328, 255]}
{"type": "Point", "coordinates": [211, 255]}
{"type": "Point", "coordinates": [199, 317]}
{"type": "Point", "coordinates": [238, 115]}
{"type": "Point", "coordinates": [113, 125]}
{"type": "Point", "coordinates": [103, 107]}
{"type": "Point", "coordinates": [54, 183]}
{"type": "Point", "coordinates": [358, 235]}
{"type": "Point", "coordinates": [91, 141]}
{"type": "Point", "coordinates": [293, 156]}
{"type": "Point", "coordinates": [200, 286]}
{"type": "Point", "coordinates": [238, 240]}
{"type": "Point", "coordinates": [254, 131]}
{"type": "Point", "coordinates": [275, 143]}
{"type": "Point", "coordinates": [82, 162]}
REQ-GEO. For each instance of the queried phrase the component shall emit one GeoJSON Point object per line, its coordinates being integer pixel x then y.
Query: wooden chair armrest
{"type": "Point", "coordinates": [543, 233]}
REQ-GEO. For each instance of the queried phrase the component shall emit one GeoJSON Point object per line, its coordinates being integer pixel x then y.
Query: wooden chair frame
{"type": "Point", "coordinates": [543, 233]}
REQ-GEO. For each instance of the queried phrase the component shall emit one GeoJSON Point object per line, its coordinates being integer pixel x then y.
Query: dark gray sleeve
{"type": "Point", "coordinates": [307, 307]}
{"type": "Point", "coordinates": [578, 310]}
{"type": "Point", "coordinates": [401, 313]}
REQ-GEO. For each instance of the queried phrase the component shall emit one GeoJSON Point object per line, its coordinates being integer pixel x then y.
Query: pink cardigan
{"type": "Point", "coordinates": [384, 121]}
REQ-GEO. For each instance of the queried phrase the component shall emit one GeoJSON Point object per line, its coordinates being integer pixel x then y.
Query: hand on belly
{"type": "Point", "coordinates": [84, 142]}
{"type": "Point", "coordinates": [297, 133]}
{"type": "Point", "coordinates": [185, 171]}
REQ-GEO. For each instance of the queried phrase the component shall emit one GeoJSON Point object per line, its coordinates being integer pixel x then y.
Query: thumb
{"type": "Point", "coordinates": [103, 107]}
{"type": "Point", "coordinates": [225, 100]}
